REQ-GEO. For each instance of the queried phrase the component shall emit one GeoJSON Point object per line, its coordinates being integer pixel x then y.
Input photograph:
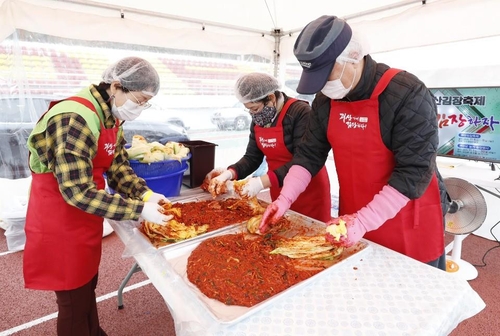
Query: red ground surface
{"type": "Point", "coordinates": [145, 312]}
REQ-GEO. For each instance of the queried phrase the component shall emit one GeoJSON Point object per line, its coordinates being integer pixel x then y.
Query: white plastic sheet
{"type": "Point", "coordinates": [385, 292]}
{"type": "Point", "coordinates": [13, 206]}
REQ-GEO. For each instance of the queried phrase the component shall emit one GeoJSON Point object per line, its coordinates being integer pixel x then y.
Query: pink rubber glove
{"type": "Point", "coordinates": [295, 182]}
{"type": "Point", "coordinates": [384, 206]}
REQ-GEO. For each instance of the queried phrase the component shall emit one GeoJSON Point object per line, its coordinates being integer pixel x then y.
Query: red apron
{"type": "Point", "coordinates": [63, 243]}
{"type": "Point", "coordinates": [364, 165]}
{"type": "Point", "coordinates": [315, 201]}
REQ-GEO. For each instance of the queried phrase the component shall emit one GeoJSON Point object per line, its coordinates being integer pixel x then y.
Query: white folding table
{"type": "Point", "coordinates": [384, 293]}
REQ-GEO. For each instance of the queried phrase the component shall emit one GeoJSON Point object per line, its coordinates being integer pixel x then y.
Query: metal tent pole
{"type": "Point", "coordinates": [371, 11]}
{"type": "Point", "coordinates": [123, 10]}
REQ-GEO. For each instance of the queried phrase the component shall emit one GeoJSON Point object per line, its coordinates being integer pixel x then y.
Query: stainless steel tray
{"type": "Point", "coordinates": [199, 196]}
{"type": "Point", "coordinates": [177, 257]}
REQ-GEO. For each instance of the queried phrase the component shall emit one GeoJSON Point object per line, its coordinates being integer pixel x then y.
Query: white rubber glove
{"type": "Point", "coordinates": [150, 196]}
{"type": "Point", "coordinates": [252, 187]}
{"type": "Point", "coordinates": [152, 212]}
{"type": "Point", "coordinates": [214, 172]}
{"type": "Point", "coordinates": [217, 184]}
{"type": "Point", "coordinates": [226, 175]}
{"type": "Point", "coordinates": [230, 191]}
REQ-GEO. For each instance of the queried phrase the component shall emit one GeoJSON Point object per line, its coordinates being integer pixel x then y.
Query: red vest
{"type": "Point", "coordinates": [63, 243]}
{"type": "Point", "coordinates": [315, 201]}
{"type": "Point", "coordinates": [364, 165]}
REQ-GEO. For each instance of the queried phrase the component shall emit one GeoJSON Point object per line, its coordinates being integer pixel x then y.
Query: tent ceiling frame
{"type": "Point", "coordinates": [275, 33]}
{"type": "Point", "coordinates": [369, 12]}
{"type": "Point", "coordinates": [123, 10]}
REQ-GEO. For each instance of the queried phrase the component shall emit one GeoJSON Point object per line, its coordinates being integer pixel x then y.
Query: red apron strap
{"type": "Point", "coordinates": [289, 102]}
{"type": "Point", "coordinates": [87, 103]}
{"type": "Point", "coordinates": [284, 109]}
{"type": "Point", "coordinates": [384, 81]}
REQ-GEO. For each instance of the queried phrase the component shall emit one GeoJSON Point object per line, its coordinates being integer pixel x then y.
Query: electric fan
{"type": "Point", "coordinates": [466, 214]}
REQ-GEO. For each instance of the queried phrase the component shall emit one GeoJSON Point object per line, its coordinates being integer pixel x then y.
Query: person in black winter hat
{"type": "Point", "coordinates": [381, 124]}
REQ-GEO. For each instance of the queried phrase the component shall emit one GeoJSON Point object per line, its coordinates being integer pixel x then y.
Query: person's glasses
{"type": "Point", "coordinates": [144, 104]}
{"type": "Point", "coordinates": [254, 110]}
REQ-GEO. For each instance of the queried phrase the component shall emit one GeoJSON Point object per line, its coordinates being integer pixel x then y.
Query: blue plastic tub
{"type": "Point", "coordinates": [168, 185]}
{"type": "Point", "coordinates": [161, 168]}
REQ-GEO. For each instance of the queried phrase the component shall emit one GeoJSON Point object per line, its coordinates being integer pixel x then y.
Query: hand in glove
{"type": "Point", "coordinates": [214, 172]}
{"type": "Point", "coordinates": [153, 213]}
{"type": "Point", "coordinates": [252, 187]}
{"type": "Point", "coordinates": [218, 183]}
{"type": "Point", "coordinates": [344, 231]}
{"type": "Point", "coordinates": [274, 212]}
{"type": "Point", "coordinates": [347, 230]}
{"type": "Point", "coordinates": [294, 184]}
{"type": "Point", "coordinates": [150, 196]}
{"type": "Point", "coordinates": [229, 189]}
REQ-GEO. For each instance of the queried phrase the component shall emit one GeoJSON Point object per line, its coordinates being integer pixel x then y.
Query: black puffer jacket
{"type": "Point", "coordinates": [408, 124]}
{"type": "Point", "coordinates": [294, 126]}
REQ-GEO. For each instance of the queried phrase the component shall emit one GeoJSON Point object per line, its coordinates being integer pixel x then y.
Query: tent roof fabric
{"type": "Point", "coordinates": [248, 27]}
{"type": "Point", "coordinates": [436, 22]}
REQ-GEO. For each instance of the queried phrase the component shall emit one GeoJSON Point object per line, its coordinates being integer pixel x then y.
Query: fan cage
{"type": "Point", "coordinates": [472, 211]}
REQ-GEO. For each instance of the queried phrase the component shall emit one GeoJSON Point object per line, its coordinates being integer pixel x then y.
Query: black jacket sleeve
{"type": "Point", "coordinates": [412, 135]}
{"type": "Point", "coordinates": [313, 150]}
{"type": "Point", "coordinates": [294, 125]}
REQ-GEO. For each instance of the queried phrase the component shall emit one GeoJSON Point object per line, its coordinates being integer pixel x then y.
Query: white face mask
{"type": "Point", "coordinates": [335, 89]}
{"type": "Point", "coordinates": [128, 111]}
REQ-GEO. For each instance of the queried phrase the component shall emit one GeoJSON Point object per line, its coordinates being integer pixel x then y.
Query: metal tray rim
{"type": "Point", "coordinates": [199, 197]}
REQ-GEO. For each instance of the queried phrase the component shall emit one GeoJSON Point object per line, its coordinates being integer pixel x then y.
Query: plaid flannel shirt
{"type": "Point", "coordinates": [67, 148]}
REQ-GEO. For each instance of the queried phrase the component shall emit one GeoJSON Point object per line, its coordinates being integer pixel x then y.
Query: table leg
{"type": "Point", "coordinates": [135, 268]}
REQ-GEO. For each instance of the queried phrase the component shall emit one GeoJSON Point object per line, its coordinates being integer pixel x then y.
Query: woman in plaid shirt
{"type": "Point", "coordinates": [76, 142]}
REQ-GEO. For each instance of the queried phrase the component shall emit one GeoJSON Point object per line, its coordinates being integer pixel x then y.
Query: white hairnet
{"type": "Point", "coordinates": [355, 50]}
{"type": "Point", "coordinates": [134, 74]}
{"type": "Point", "coordinates": [255, 86]}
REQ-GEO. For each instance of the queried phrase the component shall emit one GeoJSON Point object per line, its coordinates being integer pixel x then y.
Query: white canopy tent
{"type": "Point", "coordinates": [444, 42]}
{"type": "Point", "coordinates": [427, 37]}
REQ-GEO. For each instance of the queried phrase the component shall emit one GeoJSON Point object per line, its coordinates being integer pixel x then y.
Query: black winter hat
{"type": "Point", "coordinates": [317, 48]}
